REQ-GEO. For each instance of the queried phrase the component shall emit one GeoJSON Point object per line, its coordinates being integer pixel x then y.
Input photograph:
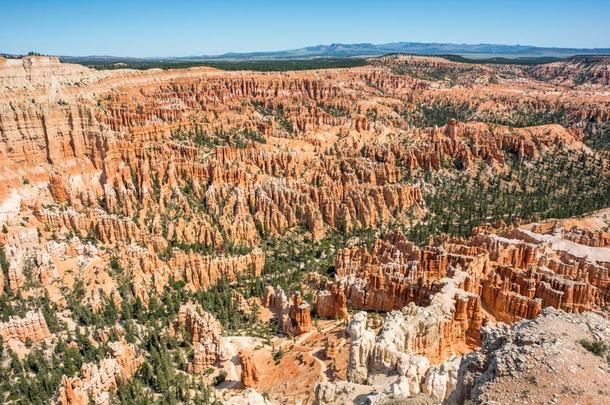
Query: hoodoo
{"type": "Point", "coordinates": [404, 228]}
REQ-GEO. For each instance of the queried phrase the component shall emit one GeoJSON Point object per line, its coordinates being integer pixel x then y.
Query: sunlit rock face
{"type": "Point", "coordinates": [120, 187]}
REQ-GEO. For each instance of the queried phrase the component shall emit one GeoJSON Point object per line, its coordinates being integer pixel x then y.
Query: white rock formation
{"type": "Point", "coordinates": [390, 353]}
{"type": "Point", "coordinates": [441, 380]}
{"type": "Point", "coordinates": [361, 345]}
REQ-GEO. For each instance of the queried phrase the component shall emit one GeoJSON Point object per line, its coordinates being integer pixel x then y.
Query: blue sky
{"type": "Point", "coordinates": [189, 27]}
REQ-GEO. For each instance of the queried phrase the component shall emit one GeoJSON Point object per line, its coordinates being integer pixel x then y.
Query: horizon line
{"type": "Point", "coordinates": [212, 55]}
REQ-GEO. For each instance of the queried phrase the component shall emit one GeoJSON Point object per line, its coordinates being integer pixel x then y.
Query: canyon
{"type": "Point", "coordinates": [252, 237]}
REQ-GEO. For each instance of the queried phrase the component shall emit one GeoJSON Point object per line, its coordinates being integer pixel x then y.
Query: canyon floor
{"type": "Point", "coordinates": [413, 230]}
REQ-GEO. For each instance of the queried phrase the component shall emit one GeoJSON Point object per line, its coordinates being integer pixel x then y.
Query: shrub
{"type": "Point", "coordinates": [277, 355]}
{"type": "Point", "coordinates": [220, 378]}
{"type": "Point", "coordinates": [596, 347]}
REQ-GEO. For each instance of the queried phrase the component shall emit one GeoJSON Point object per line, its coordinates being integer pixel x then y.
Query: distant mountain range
{"type": "Point", "coordinates": [367, 50]}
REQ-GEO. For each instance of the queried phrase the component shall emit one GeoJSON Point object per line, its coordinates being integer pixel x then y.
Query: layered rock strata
{"type": "Point", "coordinates": [32, 327]}
{"type": "Point", "coordinates": [182, 174]}
{"type": "Point", "coordinates": [515, 276]}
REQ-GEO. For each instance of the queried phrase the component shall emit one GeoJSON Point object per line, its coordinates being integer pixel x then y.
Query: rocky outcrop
{"type": "Point", "coordinates": [394, 273]}
{"type": "Point", "coordinates": [57, 187]}
{"type": "Point", "coordinates": [293, 314]}
{"type": "Point", "coordinates": [386, 355]}
{"type": "Point", "coordinates": [150, 273]}
{"type": "Point", "coordinates": [514, 359]}
{"type": "Point", "coordinates": [362, 342]}
{"type": "Point", "coordinates": [183, 174]}
{"type": "Point", "coordinates": [513, 294]}
{"type": "Point", "coordinates": [529, 274]}
{"type": "Point", "coordinates": [515, 276]}
{"type": "Point", "coordinates": [243, 305]}
{"type": "Point", "coordinates": [331, 303]}
{"type": "Point", "coordinates": [32, 327]}
{"type": "Point", "coordinates": [203, 271]}
{"type": "Point", "coordinates": [249, 372]}
{"type": "Point", "coordinates": [569, 230]}
{"type": "Point", "coordinates": [24, 253]}
{"type": "Point", "coordinates": [40, 71]}
{"type": "Point", "coordinates": [449, 292]}
{"type": "Point", "coordinates": [97, 381]}
{"type": "Point", "coordinates": [117, 126]}
{"type": "Point", "coordinates": [419, 334]}
{"type": "Point", "coordinates": [203, 331]}
{"type": "Point", "coordinates": [440, 380]}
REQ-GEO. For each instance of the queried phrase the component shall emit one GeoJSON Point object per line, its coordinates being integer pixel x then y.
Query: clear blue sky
{"type": "Point", "coordinates": [189, 27]}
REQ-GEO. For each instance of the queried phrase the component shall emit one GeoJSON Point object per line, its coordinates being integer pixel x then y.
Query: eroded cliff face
{"type": "Point", "coordinates": [576, 71]}
{"type": "Point", "coordinates": [515, 276]}
{"type": "Point", "coordinates": [439, 297]}
{"type": "Point", "coordinates": [123, 153]}
{"type": "Point", "coordinates": [123, 192]}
